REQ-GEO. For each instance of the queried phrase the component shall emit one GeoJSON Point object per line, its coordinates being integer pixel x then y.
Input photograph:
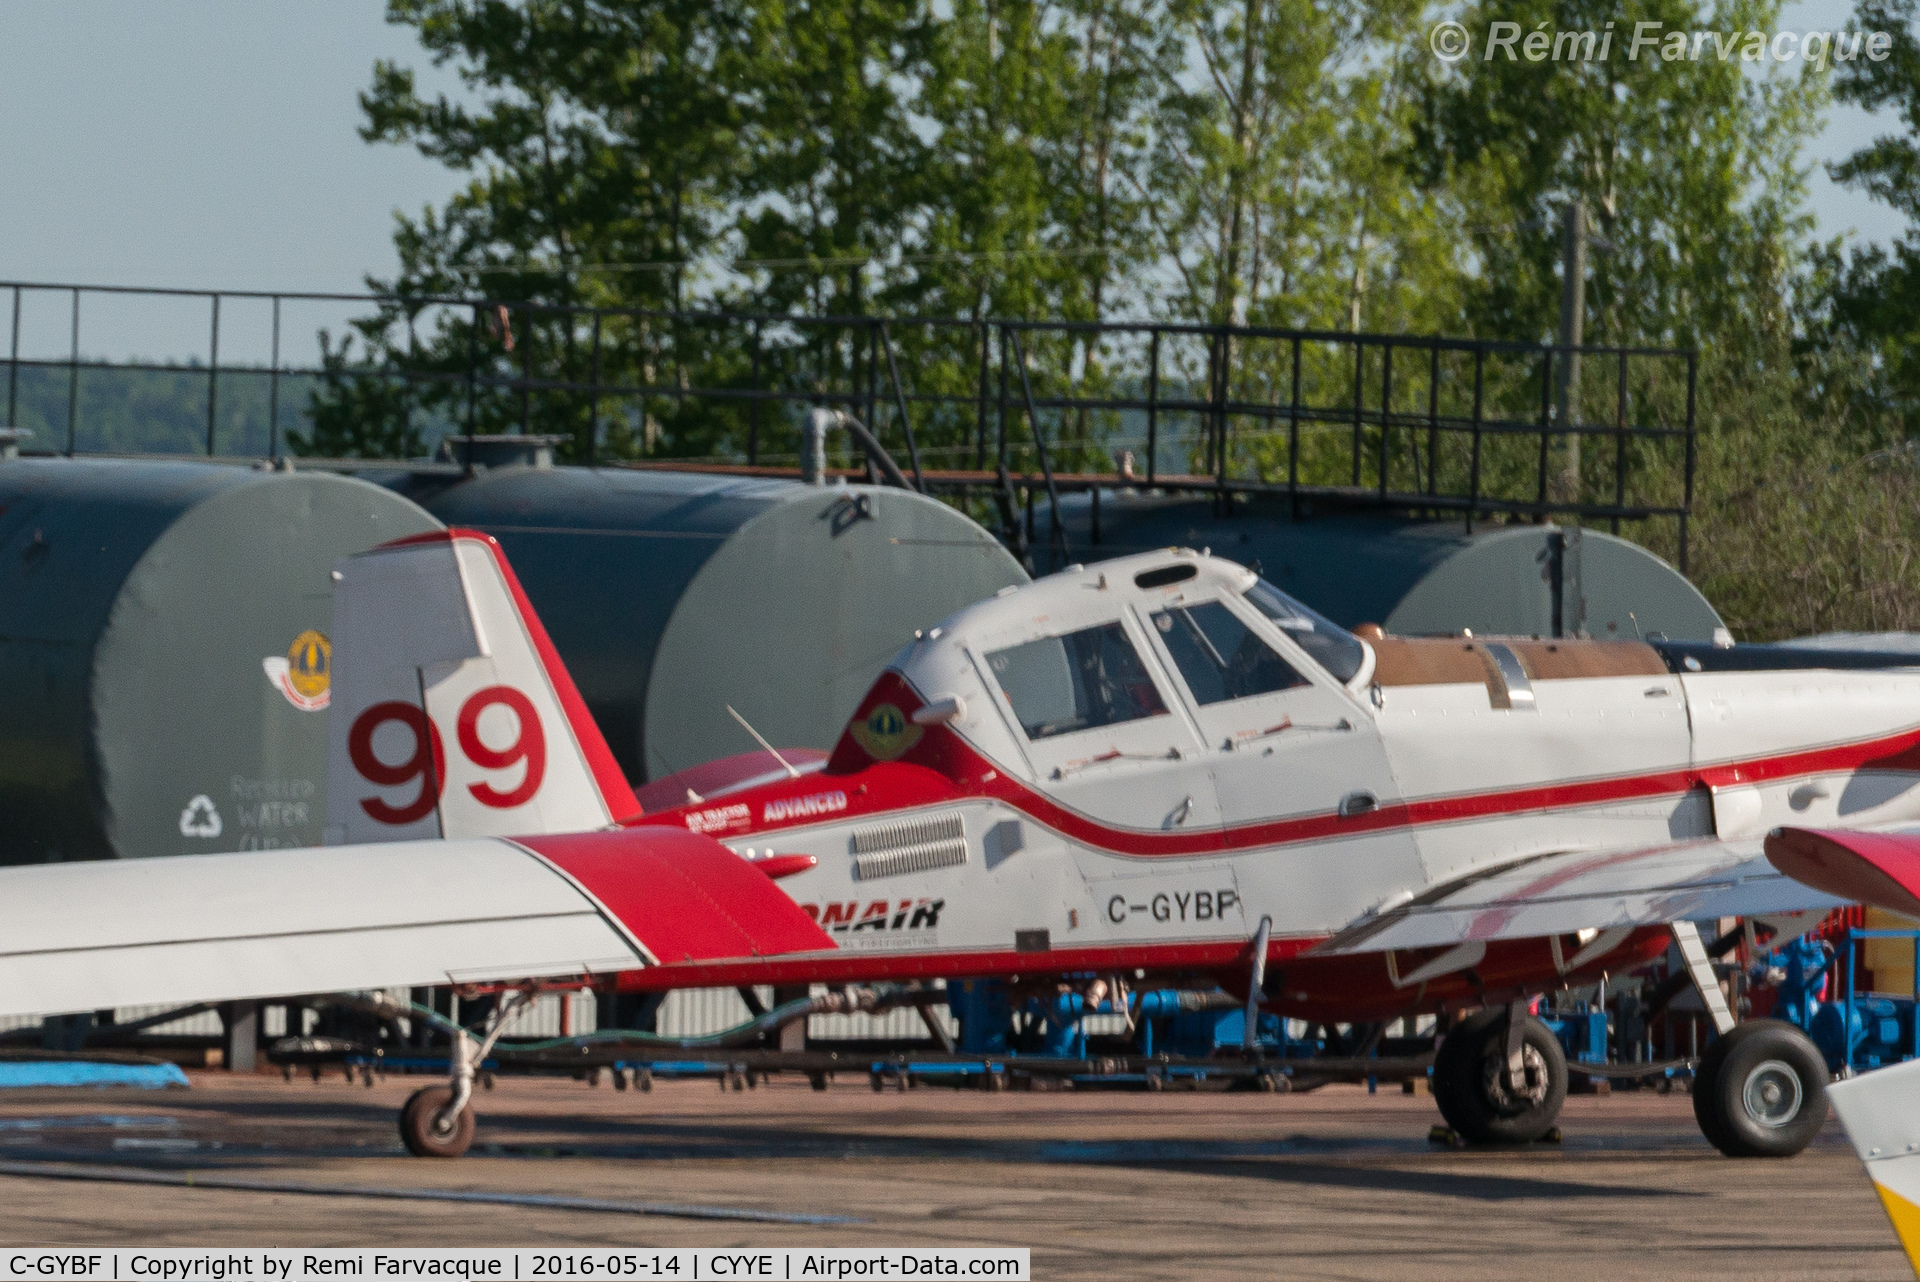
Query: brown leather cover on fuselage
{"type": "Point", "coordinates": [1554, 660]}
{"type": "Point", "coordinates": [1426, 661]}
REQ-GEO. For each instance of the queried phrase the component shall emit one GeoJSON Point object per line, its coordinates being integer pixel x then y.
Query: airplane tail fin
{"type": "Point", "coordinates": [1881, 1111]}
{"type": "Point", "coordinates": [452, 715]}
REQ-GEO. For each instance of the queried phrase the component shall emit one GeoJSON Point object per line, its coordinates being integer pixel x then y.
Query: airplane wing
{"type": "Point", "coordinates": [201, 928]}
{"type": "Point", "coordinates": [1792, 869]}
{"type": "Point", "coordinates": [1881, 1111]}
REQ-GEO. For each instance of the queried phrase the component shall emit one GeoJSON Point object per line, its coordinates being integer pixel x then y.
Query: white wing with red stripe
{"type": "Point", "coordinates": [202, 928]}
{"type": "Point", "coordinates": [1881, 1111]}
{"type": "Point", "coordinates": [1565, 893]}
{"type": "Point", "coordinates": [271, 923]}
{"type": "Point", "coordinates": [452, 715]}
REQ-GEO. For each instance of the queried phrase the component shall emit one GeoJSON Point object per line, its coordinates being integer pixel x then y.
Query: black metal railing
{"type": "Point", "coordinates": [999, 411]}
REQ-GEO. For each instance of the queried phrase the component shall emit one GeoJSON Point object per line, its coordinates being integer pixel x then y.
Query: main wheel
{"type": "Point", "coordinates": [426, 1128]}
{"type": "Point", "coordinates": [1470, 1081]}
{"type": "Point", "coordinates": [1761, 1090]}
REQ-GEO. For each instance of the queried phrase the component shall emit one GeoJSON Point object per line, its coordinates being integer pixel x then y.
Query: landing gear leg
{"type": "Point", "coordinates": [1500, 1077]}
{"type": "Point", "coordinates": [1761, 1088]}
{"type": "Point", "coordinates": [437, 1121]}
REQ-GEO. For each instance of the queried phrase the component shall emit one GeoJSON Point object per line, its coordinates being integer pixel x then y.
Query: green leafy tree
{"type": "Point", "coordinates": [1862, 308]}
{"type": "Point", "coordinates": [832, 164]}
{"type": "Point", "coordinates": [603, 143]}
{"type": "Point", "coordinates": [1689, 167]}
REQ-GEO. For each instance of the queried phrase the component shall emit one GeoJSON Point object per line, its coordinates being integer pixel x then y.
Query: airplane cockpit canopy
{"type": "Point", "coordinates": [1337, 650]}
{"type": "Point", "coordinates": [1123, 644]}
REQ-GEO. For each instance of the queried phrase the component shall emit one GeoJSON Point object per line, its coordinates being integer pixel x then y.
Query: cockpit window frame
{"type": "Point", "coordinates": [1171, 696]}
{"type": "Point", "coordinates": [1297, 656]}
{"type": "Point", "coordinates": [1304, 674]}
{"type": "Point", "coordinates": [1354, 685]}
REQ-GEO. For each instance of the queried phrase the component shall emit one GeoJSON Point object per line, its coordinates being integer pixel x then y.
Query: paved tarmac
{"type": "Point", "coordinates": [1330, 1184]}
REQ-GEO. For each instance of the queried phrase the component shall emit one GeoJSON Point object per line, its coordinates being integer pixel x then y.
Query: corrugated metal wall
{"type": "Point", "coordinates": [687, 1012]}
{"type": "Point", "coordinates": [206, 1023]}
{"type": "Point", "coordinates": [698, 1012]}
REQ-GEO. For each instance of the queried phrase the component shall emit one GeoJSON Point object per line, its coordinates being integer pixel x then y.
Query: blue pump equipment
{"type": "Point", "coordinates": [1857, 1031]}
{"type": "Point", "coordinates": [1169, 1022]}
{"type": "Point", "coordinates": [1581, 1030]}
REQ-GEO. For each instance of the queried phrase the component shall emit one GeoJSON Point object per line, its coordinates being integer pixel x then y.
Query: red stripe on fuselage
{"type": "Point", "coordinates": [943, 769]}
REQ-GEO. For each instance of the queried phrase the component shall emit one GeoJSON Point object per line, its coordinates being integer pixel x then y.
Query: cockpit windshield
{"type": "Point", "coordinates": [1331, 646]}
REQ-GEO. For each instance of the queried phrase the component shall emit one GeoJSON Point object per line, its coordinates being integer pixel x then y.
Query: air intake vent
{"type": "Point", "coordinates": [911, 845]}
{"type": "Point", "coordinates": [909, 832]}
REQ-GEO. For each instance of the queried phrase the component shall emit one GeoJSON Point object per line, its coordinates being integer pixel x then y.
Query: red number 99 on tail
{"type": "Point", "coordinates": [528, 748]}
{"type": "Point", "coordinates": [529, 745]}
{"type": "Point", "coordinates": [428, 763]}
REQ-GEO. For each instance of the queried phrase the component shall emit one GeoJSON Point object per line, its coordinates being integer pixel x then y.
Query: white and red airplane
{"type": "Point", "coordinates": [1154, 767]}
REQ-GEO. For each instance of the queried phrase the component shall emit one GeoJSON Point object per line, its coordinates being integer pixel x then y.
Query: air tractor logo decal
{"type": "Point", "coordinates": [878, 915]}
{"type": "Point", "coordinates": [721, 818]}
{"type": "Point", "coordinates": [885, 732]}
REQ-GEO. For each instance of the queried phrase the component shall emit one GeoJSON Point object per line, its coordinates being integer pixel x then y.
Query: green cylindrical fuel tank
{"type": "Point", "coordinates": [1413, 576]}
{"type": "Point", "coordinates": [672, 596]}
{"type": "Point", "coordinates": [163, 656]}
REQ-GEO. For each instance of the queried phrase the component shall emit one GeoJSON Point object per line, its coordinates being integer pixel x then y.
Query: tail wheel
{"type": "Point", "coordinates": [429, 1130]}
{"type": "Point", "coordinates": [1761, 1090]}
{"type": "Point", "coordinates": [1470, 1081]}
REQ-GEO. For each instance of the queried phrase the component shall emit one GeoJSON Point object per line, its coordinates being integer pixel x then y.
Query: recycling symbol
{"type": "Point", "coordinates": [200, 819]}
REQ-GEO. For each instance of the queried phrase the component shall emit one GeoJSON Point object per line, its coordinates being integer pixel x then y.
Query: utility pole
{"type": "Point", "coordinates": [1573, 310]}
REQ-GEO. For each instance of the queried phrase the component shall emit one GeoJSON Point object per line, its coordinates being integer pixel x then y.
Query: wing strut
{"type": "Point", "coordinates": [1700, 967]}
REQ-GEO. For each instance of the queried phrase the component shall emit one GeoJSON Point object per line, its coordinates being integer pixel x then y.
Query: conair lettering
{"type": "Point", "coordinates": [880, 914]}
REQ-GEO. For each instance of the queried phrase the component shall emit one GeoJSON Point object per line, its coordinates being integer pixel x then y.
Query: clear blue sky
{"type": "Point", "coordinates": [212, 144]}
{"type": "Point", "coordinates": [199, 143]}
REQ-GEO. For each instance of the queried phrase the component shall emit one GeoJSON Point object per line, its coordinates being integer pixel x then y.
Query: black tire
{"type": "Point", "coordinates": [1706, 1077]}
{"type": "Point", "coordinates": [1469, 1081]}
{"type": "Point", "coordinates": [419, 1132]}
{"type": "Point", "coordinates": [1761, 1090]}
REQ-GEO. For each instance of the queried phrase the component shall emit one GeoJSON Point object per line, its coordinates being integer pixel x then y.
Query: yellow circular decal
{"type": "Point", "coordinates": [310, 664]}
{"type": "Point", "coordinates": [885, 732]}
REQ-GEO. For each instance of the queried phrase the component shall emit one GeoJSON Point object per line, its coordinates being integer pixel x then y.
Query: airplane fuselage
{"type": "Point", "coordinates": [968, 824]}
